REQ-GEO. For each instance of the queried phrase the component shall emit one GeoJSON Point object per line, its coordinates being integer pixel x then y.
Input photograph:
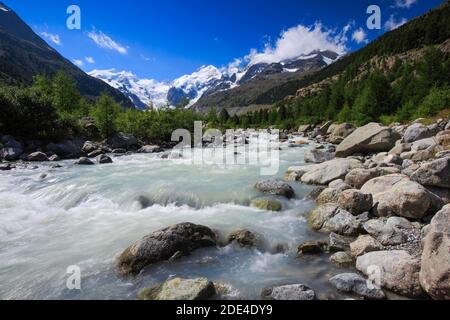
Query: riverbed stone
{"type": "Point", "coordinates": [339, 243]}
{"type": "Point", "coordinates": [84, 161]}
{"type": "Point", "coordinates": [354, 283]}
{"type": "Point", "coordinates": [394, 270]}
{"type": "Point", "coordinates": [150, 149]}
{"type": "Point", "coordinates": [370, 138]}
{"type": "Point", "coordinates": [180, 289]}
{"type": "Point", "coordinates": [161, 245]}
{"type": "Point", "coordinates": [122, 140]}
{"type": "Point", "coordinates": [37, 157]}
{"type": "Point", "coordinates": [342, 259]}
{"type": "Point", "coordinates": [364, 244]}
{"type": "Point", "coordinates": [312, 247]}
{"type": "Point", "coordinates": [435, 173]}
{"type": "Point", "coordinates": [276, 187]}
{"type": "Point", "coordinates": [340, 132]}
{"type": "Point", "coordinates": [330, 218]}
{"type": "Point", "coordinates": [355, 201]}
{"type": "Point", "coordinates": [243, 238]}
{"type": "Point", "coordinates": [389, 232]}
{"type": "Point", "coordinates": [324, 173]}
{"type": "Point", "coordinates": [289, 292]}
{"type": "Point", "coordinates": [435, 268]}
{"type": "Point", "coordinates": [318, 156]}
{"type": "Point", "coordinates": [104, 159]}
{"type": "Point", "coordinates": [397, 195]}
{"type": "Point", "coordinates": [267, 204]}
{"type": "Point", "coordinates": [417, 131]}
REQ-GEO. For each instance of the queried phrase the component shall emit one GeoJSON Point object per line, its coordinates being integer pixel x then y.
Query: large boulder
{"type": "Point", "coordinates": [83, 161]}
{"type": "Point", "coordinates": [355, 202]}
{"type": "Point", "coordinates": [371, 138]}
{"type": "Point", "coordinates": [397, 195]}
{"type": "Point", "coordinates": [275, 187]}
{"type": "Point", "coordinates": [354, 283]}
{"type": "Point", "coordinates": [416, 132]}
{"type": "Point", "coordinates": [180, 289]}
{"type": "Point", "coordinates": [435, 173]}
{"type": "Point", "coordinates": [330, 218]}
{"type": "Point", "coordinates": [123, 141]}
{"type": "Point", "coordinates": [324, 173]}
{"type": "Point", "coordinates": [358, 177]}
{"type": "Point", "coordinates": [10, 154]}
{"type": "Point", "coordinates": [305, 128]}
{"type": "Point", "coordinates": [104, 159]}
{"type": "Point", "coordinates": [37, 157]}
{"type": "Point", "coordinates": [395, 270]}
{"type": "Point", "coordinates": [163, 244]}
{"type": "Point", "coordinates": [443, 138]}
{"type": "Point", "coordinates": [340, 132]}
{"type": "Point", "coordinates": [67, 148]}
{"type": "Point", "coordinates": [288, 292]}
{"type": "Point", "coordinates": [90, 147]}
{"type": "Point", "coordinates": [435, 270]}
{"type": "Point", "coordinates": [318, 156]}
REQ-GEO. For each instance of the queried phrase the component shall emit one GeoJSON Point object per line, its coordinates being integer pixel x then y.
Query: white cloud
{"type": "Point", "coordinates": [78, 62]}
{"type": "Point", "coordinates": [105, 41]}
{"type": "Point", "coordinates": [52, 37]}
{"type": "Point", "coordinates": [360, 36]}
{"type": "Point", "coordinates": [404, 3]}
{"type": "Point", "coordinates": [90, 60]}
{"type": "Point", "coordinates": [392, 23]}
{"type": "Point", "coordinates": [298, 41]}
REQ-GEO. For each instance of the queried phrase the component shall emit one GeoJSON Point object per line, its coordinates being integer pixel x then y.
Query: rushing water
{"type": "Point", "coordinates": [52, 218]}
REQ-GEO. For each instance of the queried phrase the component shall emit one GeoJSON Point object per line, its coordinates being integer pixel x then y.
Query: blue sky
{"type": "Point", "coordinates": [163, 39]}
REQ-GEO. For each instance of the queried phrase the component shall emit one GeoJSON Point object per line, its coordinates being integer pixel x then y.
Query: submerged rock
{"type": "Point", "coordinates": [354, 283]}
{"type": "Point", "coordinates": [180, 289]}
{"type": "Point", "coordinates": [104, 159]}
{"type": "Point", "coordinates": [84, 161]}
{"type": "Point", "coordinates": [312, 247]}
{"type": "Point", "coordinates": [243, 238]}
{"type": "Point", "coordinates": [161, 245]}
{"type": "Point", "coordinates": [275, 187]}
{"type": "Point", "coordinates": [266, 204]}
{"type": "Point", "coordinates": [435, 269]}
{"type": "Point", "coordinates": [289, 292]}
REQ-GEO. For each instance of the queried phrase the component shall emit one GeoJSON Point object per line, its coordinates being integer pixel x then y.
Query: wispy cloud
{"type": "Point", "coordinates": [147, 59]}
{"type": "Point", "coordinates": [78, 62]}
{"type": "Point", "coordinates": [54, 38]}
{"type": "Point", "coordinates": [106, 42]}
{"type": "Point", "coordinates": [360, 36]}
{"type": "Point", "coordinates": [404, 3]}
{"type": "Point", "coordinates": [301, 40]}
{"type": "Point", "coordinates": [89, 60]}
{"type": "Point", "coordinates": [392, 23]}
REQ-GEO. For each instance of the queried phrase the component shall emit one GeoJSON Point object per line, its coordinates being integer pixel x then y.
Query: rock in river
{"type": "Point", "coordinates": [289, 292]}
{"type": "Point", "coordinates": [180, 289]}
{"type": "Point", "coordinates": [330, 218]}
{"type": "Point", "coordinates": [266, 204]}
{"type": "Point", "coordinates": [276, 187]}
{"type": "Point", "coordinates": [161, 245]}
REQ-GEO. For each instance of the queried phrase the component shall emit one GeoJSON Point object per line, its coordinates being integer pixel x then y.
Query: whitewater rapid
{"type": "Point", "coordinates": [53, 218]}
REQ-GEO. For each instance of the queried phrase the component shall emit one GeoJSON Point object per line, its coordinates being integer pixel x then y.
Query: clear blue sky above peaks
{"type": "Point", "coordinates": [163, 39]}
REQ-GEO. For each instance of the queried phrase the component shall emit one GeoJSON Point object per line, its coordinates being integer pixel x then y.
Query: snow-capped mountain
{"type": "Point", "coordinates": [206, 81]}
{"type": "Point", "coordinates": [142, 92]}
